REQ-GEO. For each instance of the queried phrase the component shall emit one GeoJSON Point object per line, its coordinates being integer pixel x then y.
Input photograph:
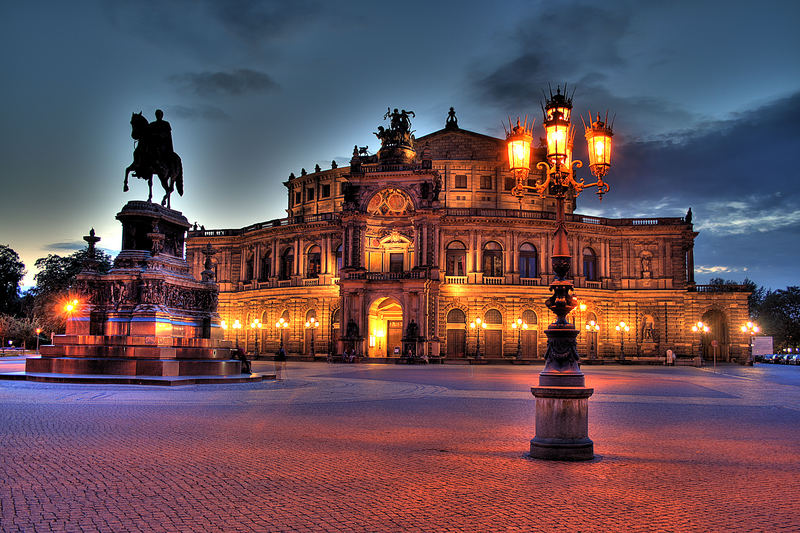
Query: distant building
{"type": "Point", "coordinates": [402, 250]}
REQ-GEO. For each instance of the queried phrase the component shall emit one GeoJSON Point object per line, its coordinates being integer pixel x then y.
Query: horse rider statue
{"type": "Point", "coordinates": [154, 154]}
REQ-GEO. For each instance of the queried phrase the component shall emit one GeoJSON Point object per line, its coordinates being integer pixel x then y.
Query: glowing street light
{"type": "Point", "coordinates": [478, 325]}
{"type": "Point", "coordinates": [312, 324]}
{"type": "Point", "coordinates": [623, 328]}
{"type": "Point", "coordinates": [519, 325]}
{"type": "Point", "coordinates": [38, 334]}
{"type": "Point", "coordinates": [256, 325]}
{"type": "Point", "coordinates": [236, 327]}
{"type": "Point", "coordinates": [281, 324]}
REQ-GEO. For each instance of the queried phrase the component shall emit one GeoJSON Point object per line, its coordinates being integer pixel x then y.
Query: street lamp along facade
{"type": "Point", "coordinates": [561, 359]}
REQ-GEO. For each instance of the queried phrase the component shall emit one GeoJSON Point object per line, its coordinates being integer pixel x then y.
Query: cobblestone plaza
{"type": "Point", "coordinates": [397, 448]}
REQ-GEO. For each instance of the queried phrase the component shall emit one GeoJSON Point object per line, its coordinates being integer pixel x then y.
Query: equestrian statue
{"type": "Point", "coordinates": [153, 154]}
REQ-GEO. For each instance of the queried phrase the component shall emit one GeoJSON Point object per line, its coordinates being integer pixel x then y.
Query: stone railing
{"type": "Point", "coordinates": [493, 280]}
{"type": "Point", "coordinates": [719, 288]}
{"type": "Point", "coordinates": [386, 276]}
{"type": "Point", "coordinates": [456, 280]}
{"type": "Point", "coordinates": [310, 282]}
{"type": "Point", "coordinates": [530, 281]}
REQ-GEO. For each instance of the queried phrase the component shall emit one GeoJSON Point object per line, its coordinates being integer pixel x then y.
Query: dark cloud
{"type": "Point", "coordinates": [194, 24]}
{"type": "Point", "coordinates": [561, 42]}
{"type": "Point", "coordinates": [234, 82]}
{"type": "Point", "coordinates": [65, 246]}
{"type": "Point", "coordinates": [199, 112]}
{"type": "Point", "coordinates": [736, 174]}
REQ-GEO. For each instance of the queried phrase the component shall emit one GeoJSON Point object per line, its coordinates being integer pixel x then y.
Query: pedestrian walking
{"type": "Point", "coordinates": [280, 365]}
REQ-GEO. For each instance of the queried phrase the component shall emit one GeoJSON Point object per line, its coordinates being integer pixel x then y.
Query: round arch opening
{"type": "Point", "coordinates": [385, 327]}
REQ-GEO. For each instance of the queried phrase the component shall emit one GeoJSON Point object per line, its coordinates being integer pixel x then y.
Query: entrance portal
{"type": "Point", "coordinates": [385, 328]}
{"type": "Point", "coordinates": [718, 331]}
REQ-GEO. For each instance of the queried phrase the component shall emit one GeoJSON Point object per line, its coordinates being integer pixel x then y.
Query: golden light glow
{"type": "Point", "coordinates": [236, 324]}
{"type": "Point", "coordinates": [582, 306]}
{"type": "Point", "coordinates": [519, 139]}
{"type": "Point", "coordinates": [282, 323]}
{"type": "Point", "coordinates": [598, 137]}
{"type": "Point", "coordinates": [224, 325]}
{"type": "Point", "coordinates": [312, 323]}
{"type": "Point", "coordinates": [256, 324]}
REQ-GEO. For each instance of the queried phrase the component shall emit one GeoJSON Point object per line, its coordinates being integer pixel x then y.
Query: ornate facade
{"type": "Point", "coordinates": [403, 250]}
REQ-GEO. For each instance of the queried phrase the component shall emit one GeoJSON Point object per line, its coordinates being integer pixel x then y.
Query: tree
{"type": "Point", "coordinates": [12, 271]}
{"type": "Point", "coordinates": [780, 316]}
{"type": "Point", "coordinates": [53, 280]}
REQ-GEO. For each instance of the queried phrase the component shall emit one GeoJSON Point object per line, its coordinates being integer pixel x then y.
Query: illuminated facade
{"type": "Point", "coordinates": [403, 250]}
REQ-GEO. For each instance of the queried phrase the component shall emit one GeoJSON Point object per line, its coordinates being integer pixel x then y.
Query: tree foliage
{"type": "Point", "coordinates": [12, 271]}
{"type": "Point", "coordinates": [779, 316]}
{"type": "Point", "coordinates": [53, 280]}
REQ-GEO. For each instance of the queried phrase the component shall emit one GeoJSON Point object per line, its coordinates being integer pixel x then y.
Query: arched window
{"type": "Point", "coordinates": [313, 262]}
{"type": "Point", "coordinates": [338, 254]}
{"type": "Point", "coordinates": [266, 267]}
{"type": "Point", "coordinates": [493, 316]}
{"type": "Point", "coordinates": [527, 261]}
{"type": "Point", "coordinates": [492, 260]}
{"type": "Point", "coordinates": [589, 264]}
{"type": "Point", "coordinates": [287, 263]}
{"type": "Point", "coordinates": [248, 268]}
{"type": "Point", "coordinates": [456, 259]}
{"type": "Point", "coordinates": [312, 313]}
{"type": "Point", "coordinates": [529, 317]}
{"type": "Point", "coordinates": [456, 316]}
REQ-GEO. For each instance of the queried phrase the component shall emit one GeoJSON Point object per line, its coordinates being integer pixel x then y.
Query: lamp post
{"type": "Point", "coordinates": [478, 325]}
{"type": "Point", "coordinates": [701, 329]}
{"type": "Point", "coordinates": [312, 324]}
{"type": "Point", "coordinates": [752, 329]}
{"type": "Point", "coordinates": [281, 324]}
{"type": "Point", "coordinates": [256, 325]}
{"type": "Point", "coordinates": [519, 325]}
{"type": "Point", "coordinates": [623, 328]}
{"type": "Point", "coordinates": [592, 328]}
{"type": "Point", "coordinates": [38, 334]}
{"type": "Point", "coordinates": [561, 360]}
{"type": "Point", "coordinates": [236, 327]}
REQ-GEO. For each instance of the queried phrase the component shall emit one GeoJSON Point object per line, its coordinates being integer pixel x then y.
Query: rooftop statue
{"type": "Point", "coordinates": [399, 132]}
{"type": "Point", "coordinates": [153, 154]}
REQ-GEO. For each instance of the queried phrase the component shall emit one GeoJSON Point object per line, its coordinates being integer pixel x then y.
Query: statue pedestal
{"type": "Point", "coordinates": [147, 316]}
{"type": "Point", "coordinates": [562, 424]}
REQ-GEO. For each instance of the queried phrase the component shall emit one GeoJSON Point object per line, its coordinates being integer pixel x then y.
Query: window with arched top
{"type": "Point", "coordinates": [492, 260]}
{"type": "Point", "coordinates": [455, 259]}
{"type": "Point", "coordinates": [529, 317]}
{"type": "Point", "coordinates": [287, 263]}
{"type": "Point", "coordinates": [313, 262]}
{"type": "Point", "coordinates": [493, 316]}
{"type": "Point", "coordinates": [589, 264]}
{"type": "Point", "coordinates": [338, 254]}
{"type": "Point", "coordinates": [311, 313]}
{"type": "Point", "coordinates": [456, 316]}
{"type": "Point", "coordinates": [528, 261]}
{"type": "Point", "coordinates": [266, 267]}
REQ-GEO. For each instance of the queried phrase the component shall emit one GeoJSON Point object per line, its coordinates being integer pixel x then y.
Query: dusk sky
{"type": "Point", "coordinates": [706, 97]}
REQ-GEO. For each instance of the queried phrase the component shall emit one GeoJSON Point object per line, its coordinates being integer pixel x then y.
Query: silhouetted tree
{"type": "Point", "coordinates": [12, 271]}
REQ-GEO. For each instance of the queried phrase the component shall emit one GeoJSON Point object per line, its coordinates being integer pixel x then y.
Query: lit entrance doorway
{"type": "Point", "coordinates": [385, 322]}
{"type": "Point", "coordinates": [718, 331]}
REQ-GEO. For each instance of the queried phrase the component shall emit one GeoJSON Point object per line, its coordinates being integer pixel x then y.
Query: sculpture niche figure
{"type": "Point", "coordinates": [154, 155]}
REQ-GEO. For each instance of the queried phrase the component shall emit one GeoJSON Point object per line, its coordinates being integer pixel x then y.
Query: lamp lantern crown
{"type": "Point", "coordinates": [558, 130]}
{"type": "Point", "coordinates": [519, 139]}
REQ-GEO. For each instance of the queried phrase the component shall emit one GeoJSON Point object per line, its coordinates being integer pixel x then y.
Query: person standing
{"type": "Point", "coordinates": [280, 365]}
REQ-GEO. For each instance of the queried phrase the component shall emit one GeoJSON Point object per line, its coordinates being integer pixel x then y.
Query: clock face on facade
{"type": "Point", "coordinates": [390, 202]}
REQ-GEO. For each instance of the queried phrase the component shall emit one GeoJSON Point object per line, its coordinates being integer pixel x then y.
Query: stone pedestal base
{"type": "Point", "coordinates": [562, 424]}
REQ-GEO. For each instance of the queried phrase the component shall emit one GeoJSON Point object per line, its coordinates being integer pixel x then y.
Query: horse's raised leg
{"type": "Point", "coordinates": [150, 187]}
{"type": "Point", "coordinates": [125, 184]}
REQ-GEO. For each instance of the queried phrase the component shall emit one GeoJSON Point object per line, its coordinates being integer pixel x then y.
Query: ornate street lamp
{"type": "Point", "coordinates": [561, 360]}
{"type": "Point", "coordinates": [751, 329]}
{"type": "Point", "coordinates": [592, 328]}
{"type": "Point", "coordinates": [256, 325]}
{"type": "Point", "coordinates": [519, 325]}
{"type": "Point", "coordinates": [281, 324]}
{"type": "Point", "coordinates": [38, 335]}
{"type": "Point", "coordinates": [622, 328]}
{"type": "Point", "coordinates": [701, 329]}
{"type": "Point", "coordinates": [478, 325]}
{"type": "Point", "coordinates": [312, 324]}
{"type": "Point", "coordinates": [236, 327]}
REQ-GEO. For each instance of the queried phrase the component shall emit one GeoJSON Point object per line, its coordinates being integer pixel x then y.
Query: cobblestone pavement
{"type": "Point", "coordinates": [395, 448]}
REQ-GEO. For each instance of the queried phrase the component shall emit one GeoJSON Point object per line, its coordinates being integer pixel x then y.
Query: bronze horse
{"type": "Point", "coordinates": [148, 161]}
